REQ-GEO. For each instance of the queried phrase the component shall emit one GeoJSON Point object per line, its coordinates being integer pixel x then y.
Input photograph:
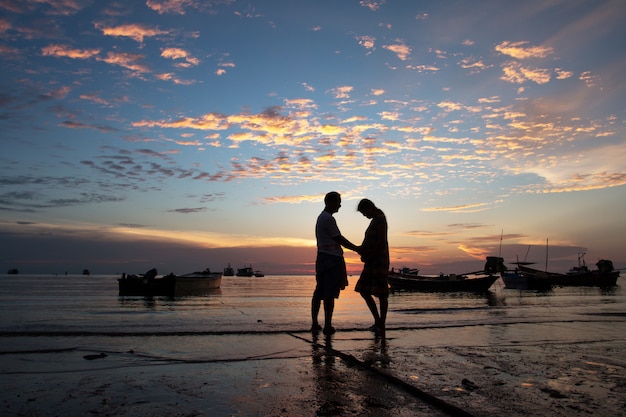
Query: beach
{"type": "Point", "coordinates": [506, 353]}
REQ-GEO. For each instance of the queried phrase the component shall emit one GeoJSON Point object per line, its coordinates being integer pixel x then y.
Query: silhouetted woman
{"type": "Point", "coordinates": [374, 253]}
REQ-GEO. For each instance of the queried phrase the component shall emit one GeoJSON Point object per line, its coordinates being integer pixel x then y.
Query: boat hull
{"type": "Point", "coordinates": [519, 281]}
{"type": "Point", "coordinates": [593, 278]}
{"type": "Point", "coordinates": [170, 286]}
{"type": "Point", "coordinates": [440, 284]}
{"type": "Point", "coordinates": [588, 279]}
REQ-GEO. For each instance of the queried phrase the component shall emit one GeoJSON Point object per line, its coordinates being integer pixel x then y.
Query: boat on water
{"type": "Point", "coordinates": [195, 283]}
{"type": "Point", "coordinates": [259, 274]}
{"type": "Point", "coordinates": [581, 275]}
{"type": "Point", "coordinates": [229, 271]}
{"type": "Point", "coordinates": [407, 279]}
{"type": "Point", "coordinates": [514, 278]}
{"type": "Point", "coordinates": [246, 271]}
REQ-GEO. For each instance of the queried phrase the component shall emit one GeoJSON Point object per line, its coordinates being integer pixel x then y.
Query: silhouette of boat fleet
{"type": "Point", "coordinates": [522, 276]}
{"type": "Point", "coordinates": [194, 283]}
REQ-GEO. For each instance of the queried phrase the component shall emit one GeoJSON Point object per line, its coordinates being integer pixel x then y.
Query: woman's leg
{"type": "Point", "coordinates": [371, 304]}
{"type": "Point", "coordinates": [384, 305]}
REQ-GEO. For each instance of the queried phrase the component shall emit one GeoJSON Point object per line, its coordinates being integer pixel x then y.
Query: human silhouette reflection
{"type": "Point", "coordinates": [377, 355]}
{"type": "Point", "coordinates": [328, 377]}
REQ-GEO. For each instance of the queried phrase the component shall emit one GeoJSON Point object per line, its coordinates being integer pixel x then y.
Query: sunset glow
{"type": "Point", "coordinates": [193, 134]}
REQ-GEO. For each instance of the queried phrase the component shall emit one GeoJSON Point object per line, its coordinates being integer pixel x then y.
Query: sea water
{"type": "Point", "coordinates": [39, 313]}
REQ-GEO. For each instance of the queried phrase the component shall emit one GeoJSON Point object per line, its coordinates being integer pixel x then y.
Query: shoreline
{"type": "Point", "coordinates": [350, 373]}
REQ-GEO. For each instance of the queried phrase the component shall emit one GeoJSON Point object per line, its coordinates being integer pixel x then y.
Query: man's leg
{"type": "Point", "coordinates": [315, 309]}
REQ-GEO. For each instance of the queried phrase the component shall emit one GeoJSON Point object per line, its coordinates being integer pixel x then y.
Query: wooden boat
{"type": "Point", "coordinates": [410, 280]}
{"type": "Point", "coordinates": [581, 275]}
{"type": "Point", "coordinates": [514, 278]}
{"type": "Point", "coordinates": [195, 283]}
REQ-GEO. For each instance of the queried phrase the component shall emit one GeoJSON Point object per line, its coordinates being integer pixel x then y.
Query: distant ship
{"type": "Point", "coordinates": [246, 271]}
{"type": "Point", "coordinates": [228, 271]}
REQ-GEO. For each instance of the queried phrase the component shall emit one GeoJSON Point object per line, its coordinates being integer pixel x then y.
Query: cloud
{"type": "Point", "coordinates": [188, 210]}
{"type": "Point", "coordinates": [373, 5]}
{"type": "Point", "coordinates": [71, 124]}
{"type": "Point", "coordinates": [168, 76]}
{"type": "Point", "coordinates": [180, 6]}
{"type": "Point", "coordinates": [342, 92]}
{"type": "Point", "coordinates": [519, 50]}
{"type": "Point", "coordinates": [126, 60]}
{"type": "Point", "coordinates": [93, 97]}
{"type": "Point", "coordinates": [515, 73]}
{"type": "Point", "coordinates": [134, 31]}
{"type": "Point", "coordinates": [48, 7]}
{"type": "Point", "coordinates": [9, 51]}
{"type": "Point", "coordinates": [464, 208]}
{"type": "Point", "coordinates": [423, 68]}
{"type": "Point", "coordinates": [401, 50]}
{"type": "Point", "coordinates": [68, 52]}
{"type": "Point", "coordinates": [368, 42]}
{"type": "Point", "coordinates": [35, 201]}
{"type": "Point", "coordinates": [474, 65]}
{"type": "Point", "coordinates": [179, 53]}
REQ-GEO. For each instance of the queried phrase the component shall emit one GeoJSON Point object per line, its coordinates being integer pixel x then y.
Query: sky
{"type": "Point", "coordinates": [186, 134]}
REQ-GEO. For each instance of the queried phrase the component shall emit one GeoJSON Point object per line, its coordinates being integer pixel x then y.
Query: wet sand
{"type": "Point", "coordinates": [351, 373]}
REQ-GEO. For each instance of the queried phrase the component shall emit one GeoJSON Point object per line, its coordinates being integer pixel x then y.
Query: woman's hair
{"type": "Point", "coordinates": [366, 204]}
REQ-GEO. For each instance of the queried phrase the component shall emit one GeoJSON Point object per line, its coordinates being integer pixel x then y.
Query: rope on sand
{"type": "Point", "coordinates": [440, 404]}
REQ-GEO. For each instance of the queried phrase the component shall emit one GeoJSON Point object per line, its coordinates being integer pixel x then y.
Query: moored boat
{"type": "Point", "coordinates": [195, 283]}
{"type": "Point", "coordinates": [409, 280]}
{"type": "Point", "coordinates": [246, 271]}
{"type": "Point", "coordinates": [514, 278]}
{"type": "Point", "coordinates": [229, 271]}
{"type": "Point", "coordinates": [581, 275]}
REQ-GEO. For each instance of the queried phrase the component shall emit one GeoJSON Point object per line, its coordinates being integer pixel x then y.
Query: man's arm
{"type": "Point", "coordinates": [345, 243]}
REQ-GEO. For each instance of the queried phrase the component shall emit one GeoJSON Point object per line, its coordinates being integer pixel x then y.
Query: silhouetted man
{"type": "Point", "coordinates": [330, 267]}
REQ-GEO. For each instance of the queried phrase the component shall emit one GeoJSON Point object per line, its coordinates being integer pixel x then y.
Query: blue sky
{"type": "Point", "coordinates": [188, 134]}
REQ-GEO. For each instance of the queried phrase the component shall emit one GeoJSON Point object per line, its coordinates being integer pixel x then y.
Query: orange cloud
{"type": "Point", "coordinates": [178, 53]}
{"type": "Point", "coordinates": [342, 92]}
{"type": "Point", "coordinates": [518, 74]}
{"type": "Point", "coordinates": [66, 51]}
{"type": "Point", "coordinates": [126, 60]}
{"type": "Point", "coordinates": [134, 31]}
{"type": "Point", "coordinates": [401, 50]}
{"type": "Point", "coordinates": [520, 51]}
{"type": "Point", "coordinates": [367, 42]}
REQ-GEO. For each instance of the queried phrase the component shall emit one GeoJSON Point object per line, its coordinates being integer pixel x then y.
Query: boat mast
{"type": "Point", "coordinates": [546, 254]}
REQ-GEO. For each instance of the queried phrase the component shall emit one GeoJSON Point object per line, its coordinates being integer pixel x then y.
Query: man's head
{"type": "Point", "coordinates": [332, 200]}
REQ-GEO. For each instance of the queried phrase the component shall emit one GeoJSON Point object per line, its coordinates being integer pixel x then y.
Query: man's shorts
{"type": "Point", "coordinates": [330, 274]}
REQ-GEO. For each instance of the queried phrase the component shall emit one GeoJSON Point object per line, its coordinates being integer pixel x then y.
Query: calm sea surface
{"type": "Point", "coordinates": [56, 312]}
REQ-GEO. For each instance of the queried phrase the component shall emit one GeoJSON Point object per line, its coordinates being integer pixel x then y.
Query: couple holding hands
{"type": "Point", "coordinates": [330, 267]}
